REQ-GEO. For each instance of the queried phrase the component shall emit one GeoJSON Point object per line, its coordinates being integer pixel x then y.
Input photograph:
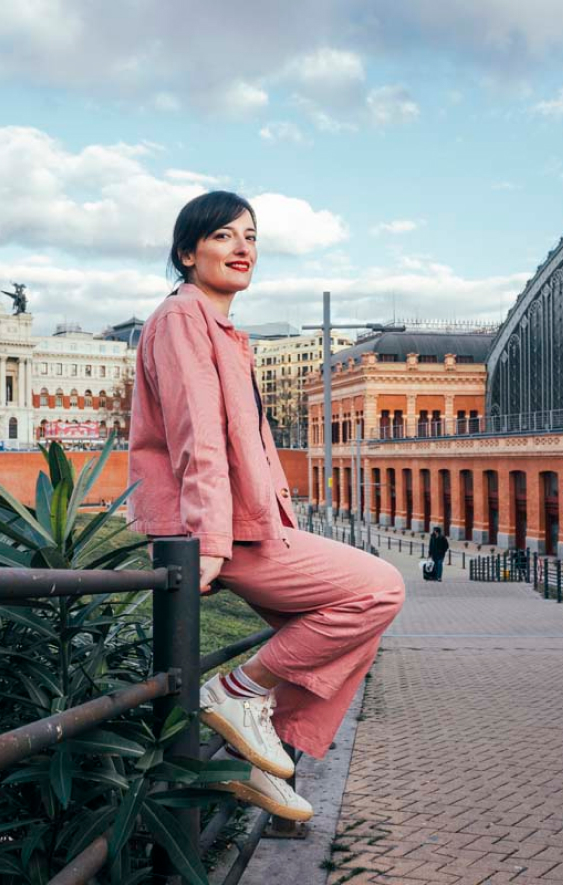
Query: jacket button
{"type": "Point", "coordinates": [284, 493]}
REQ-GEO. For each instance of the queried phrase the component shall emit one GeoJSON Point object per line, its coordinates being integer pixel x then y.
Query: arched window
{"type": "Point", "coordinates": [74, 398]}
{"type": "Point", "coordinates": [13, 428]}
{"type": "Point", "coordinates": [117, 428]}
{"type": "Point", "coordinates": [87, 399]}
{"type": "Point", "coordinates": [44, 397]}
{"type": "Point", "coordinates": [116, 401]}
{"type": "Point", "coordinates": [42, 429]}
{"type": "Point", "coordinates": [59, 399]}
{"type": "Point", "coordinates": [102, 399]}
{"type": "Point", "coordinates": [103, 430]}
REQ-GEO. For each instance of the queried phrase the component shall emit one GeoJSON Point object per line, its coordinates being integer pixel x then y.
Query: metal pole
{"type": "Point", "coordinates": [176, 645]}
{"type": "Point", "coordinates": [327, 379]}
{"type": "Point", "coordinates": [359, 514]}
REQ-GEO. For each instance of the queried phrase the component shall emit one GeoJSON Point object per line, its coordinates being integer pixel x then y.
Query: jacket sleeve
{"type": "Point", "coordinates": [193, 410]}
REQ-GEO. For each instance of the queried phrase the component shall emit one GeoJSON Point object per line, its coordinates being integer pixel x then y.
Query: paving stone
{"type": "Point", "coordinates": [457, 772]}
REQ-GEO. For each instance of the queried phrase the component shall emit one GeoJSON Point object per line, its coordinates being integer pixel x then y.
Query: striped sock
{"type": "Point", "coordinates": [238, 685]}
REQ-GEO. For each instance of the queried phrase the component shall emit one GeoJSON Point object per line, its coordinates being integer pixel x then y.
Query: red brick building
{"type": "Point", "coordinates": [464, 431]}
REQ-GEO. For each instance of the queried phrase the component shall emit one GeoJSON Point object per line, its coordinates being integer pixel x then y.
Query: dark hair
{"type": "Point", "coordinates": [437, 529]}
{"type": "Point", "coordinates": [198, 219]}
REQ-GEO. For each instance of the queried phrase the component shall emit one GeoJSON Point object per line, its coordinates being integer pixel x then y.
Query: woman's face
{"type": "Point", "coordinates": [223, 263]}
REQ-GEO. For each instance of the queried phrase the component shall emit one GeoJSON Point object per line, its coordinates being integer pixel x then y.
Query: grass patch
{"type": "Point", "coordinates": [225, 618]}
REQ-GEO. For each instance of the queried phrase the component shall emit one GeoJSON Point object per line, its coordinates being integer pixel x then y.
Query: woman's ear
{"type": "Point", "coordinates": [186, 258]}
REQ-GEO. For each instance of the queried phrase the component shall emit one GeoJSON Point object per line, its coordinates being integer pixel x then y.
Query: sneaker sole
{"type": "Point", "coordinates": [245, 793]}
{"type": "Point", "coordinates": [236, 740]}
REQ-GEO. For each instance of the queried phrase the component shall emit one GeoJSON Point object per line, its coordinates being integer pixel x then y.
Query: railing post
{"type": "Point", "coordinates": [535, 570]}
{"type": "Point", "coordinates": [176, 645]}
{"type": "Point", "coordinates": [463, 558]}
{"type": "Point", "coordinates": [558, 578]}
{"type": "Point", "coordinates": [527, 565]}
{"type": "Point", "coordinates": [546, 578]}
{"type": "Point", "coordinates": [498, 566]}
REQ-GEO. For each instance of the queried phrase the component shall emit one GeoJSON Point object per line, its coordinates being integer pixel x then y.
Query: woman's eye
{"type": "Point", "coordinates": [252, 238]}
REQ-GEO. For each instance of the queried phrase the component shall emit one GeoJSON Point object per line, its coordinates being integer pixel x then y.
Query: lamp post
{"type": "Point", "coordinates": [327, 328]}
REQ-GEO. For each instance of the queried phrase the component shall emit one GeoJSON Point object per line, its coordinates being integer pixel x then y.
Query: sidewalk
{"type": "Point", "coordinates": [457, 770]}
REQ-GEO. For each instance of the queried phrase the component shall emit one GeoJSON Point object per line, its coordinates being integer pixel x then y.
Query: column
{"type": "Point", "coordinates": [410, 429]}
{"type": "Point", "coordinates": [436, 509]}
{"type": "Point", "coordinates": [535, 538]}
{"type": "Point", "coordinates": [449, 414]}
{"type": "Point", "coordinates": [28, 384]}
{"type": "Point", "coordinates": [385, 515]}
{"type": "Point", "coordinates": [417, 501]}
{"type": "Point", "coordinates": [21, 383]}
{"type": "Point", "coordinates": [480, 507]}
{"type": "Point", "coordinates": [400, 504]}
{"type": "Point", "coordinates": [506, 515]}
{"type": "Point", "coordinates": [457, 526]}
{"type": "Point", "coordinates": [371, 416]}
{"type": "Point", "coordinates": [2, 380]}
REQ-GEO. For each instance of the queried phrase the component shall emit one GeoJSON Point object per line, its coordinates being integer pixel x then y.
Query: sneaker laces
{"type": "Point", "coordinates": [265, 718]}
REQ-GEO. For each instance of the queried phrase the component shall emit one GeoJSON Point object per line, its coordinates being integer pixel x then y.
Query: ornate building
{"type": "Point", "coordinates": [474, 446]}
{"type": "Point", "coordinates": [72, 384]}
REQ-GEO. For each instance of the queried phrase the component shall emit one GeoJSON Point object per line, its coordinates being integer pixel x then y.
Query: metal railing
{"type": "Point", "coordinates": [177, 667]}
{"type": "Point", "coordinates": [490, 425]}
{"type": "Point", "coordinates": [364, 536]}
{"type": "Point", "coordinates": [546, 576]}
{"type": "Point", "coordinates": [509, 566]}
{"type": "Point", "coordinates": [520, 565]}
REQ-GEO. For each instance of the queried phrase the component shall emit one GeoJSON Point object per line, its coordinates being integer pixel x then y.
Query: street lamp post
{"type": "Point", "coordinates": [327, 328]}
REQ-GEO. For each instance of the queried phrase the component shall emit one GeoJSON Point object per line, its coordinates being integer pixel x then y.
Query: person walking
{"type": "Point", "coordinates": [202, 448]}
{"type": "Point", "coordinates": [437, 549]}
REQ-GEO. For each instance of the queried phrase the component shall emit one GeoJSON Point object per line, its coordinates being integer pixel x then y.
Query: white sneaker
{"type": "Point", "coordinates": [268, 792]}
{"type": "Point", "coordinates": [245, 723]}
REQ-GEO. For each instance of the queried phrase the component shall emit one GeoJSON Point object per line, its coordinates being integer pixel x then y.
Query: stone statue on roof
{"type": "Point", "coordinates": [18, 296]}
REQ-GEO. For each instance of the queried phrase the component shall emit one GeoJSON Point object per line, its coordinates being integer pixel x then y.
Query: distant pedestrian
{"type": "Point", "coordinates": [437, 550]}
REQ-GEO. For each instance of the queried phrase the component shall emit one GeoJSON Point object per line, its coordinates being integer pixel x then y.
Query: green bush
{"type": "Point", "coordinates": [58, 653]}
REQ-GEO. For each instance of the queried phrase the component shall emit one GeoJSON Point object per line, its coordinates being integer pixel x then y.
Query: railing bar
{"type": "Point", "coordinates": [208, 662]}
{"type": "Point", "coordinates": [38, 583]}
{"type": "Point", "coordinates": [29, 739]}
{"type": "Point", "coordinates": [209, 750]}
{"type": "Point", "coordinates": [247, 850]}
{"type": "Point", "coordinates": [217, 823]}
{"type": "Point", "coordinates": [85, 865]}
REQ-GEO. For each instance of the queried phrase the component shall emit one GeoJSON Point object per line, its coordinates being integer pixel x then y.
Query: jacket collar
{"type": "Point", "coordinates": [190, 292]}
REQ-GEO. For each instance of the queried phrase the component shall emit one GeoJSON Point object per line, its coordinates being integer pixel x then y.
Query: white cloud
{"type": "Point", "coordinates": [418, 287]}
{"type": "Point", "coordinates": [282, 131]}
{"type": "Point", "coordinates": [506, 186]}
{"type": "Point", "coordinates": [167, 102]}
{"type": "Point", "coordinates": [332, 78]}
{"type": "Point", "coordinates": [551, 108]}
{"type": "Point", "coordinates": [391, 104]}
{"type": "Point", "coordinates": [94, 298]}
{"type": "Point", "coordinates": [400, 226]}
{"type": "Point", "coordinates": [328, 66]}
{"type": "Point", "coordinates": [241, 98]}
{"type": "Point", "coordinates": [290, 226]}
{"type": "Point", "coordinates": [430, 290]}
{"type": "Point", "coordinates": [103, 201]}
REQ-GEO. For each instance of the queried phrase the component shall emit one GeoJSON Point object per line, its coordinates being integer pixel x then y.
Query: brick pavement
{"type": "Point", "coordinates": [457, 771]}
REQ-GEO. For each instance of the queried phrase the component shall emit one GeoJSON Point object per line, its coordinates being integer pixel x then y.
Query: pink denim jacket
{"type": "Point", "coordinates": [207, 467]}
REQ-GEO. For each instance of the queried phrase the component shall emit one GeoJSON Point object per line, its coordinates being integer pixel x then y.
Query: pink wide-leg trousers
{"type": "Point", "coordinates": [329, 604]}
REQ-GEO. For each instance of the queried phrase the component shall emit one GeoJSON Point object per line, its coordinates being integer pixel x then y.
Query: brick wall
{"type": "Point", "coordinates": [19, 472]}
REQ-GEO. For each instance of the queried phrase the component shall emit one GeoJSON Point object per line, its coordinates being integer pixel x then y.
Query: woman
{"type": "Point", "coordinates": [209, 469]}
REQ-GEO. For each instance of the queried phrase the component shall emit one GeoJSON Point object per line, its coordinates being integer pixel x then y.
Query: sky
{"type": "Point", "coordinates": [407, 157]}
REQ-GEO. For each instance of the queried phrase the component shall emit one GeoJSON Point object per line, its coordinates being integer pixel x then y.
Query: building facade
{"type": "Point", "coordinates": [487, 464]}
{"type": "Point", "coordinates": [282, 366]}
{"type": "Point", "coordinates": [71, 385]}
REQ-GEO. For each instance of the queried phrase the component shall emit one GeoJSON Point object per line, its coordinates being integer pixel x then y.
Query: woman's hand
{"type": "Point", "coordinates": [209, 568]}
